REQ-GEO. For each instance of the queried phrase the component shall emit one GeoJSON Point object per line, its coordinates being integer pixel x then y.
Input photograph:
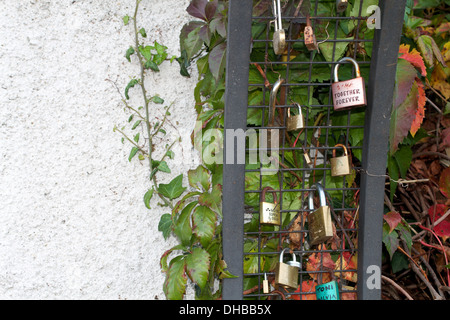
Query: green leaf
{"type": "Point", "coordinates": [170, 154]}
{"type": "Point", "coordinates": [130, 85]}
{"type": "Point", "coordinates": [126, 19]}
{"type": "Point", "coordinates": [136, 137]}
{"type": "Point", "coordinates": [143, 33]}
{"type": "Point", "coordinates": [174, 189]}
{"type": "Point", "coordinates": [183, 229]}
{"type": "Point", "coordinates": [403, 156]}
{"type": "Point", "coordinates": [147, 197]}
{"type": "Point", "coordinates": [135, 125]}
{"type": "Point", "coordinates": [405, 233]}
{"type": "Point", "coordinates": [197, 266]}
{"type": "Point", "coordinates": [157, 100]}
{"type": "Point", "coordinates": [133, 152]}
{"type": "Point", "coordinates": [129, 52]}
{"type": "Point", "coordinates": [204, 224]}
{"type": "Point", "coordinates": [176, 279]}
{"type": "Point", "coordinates": [146, 52]}
{"type": "Point", "coordinates": [165, 225]}
{"type": "Point", "coordinates": [399, 262]}
{"type": "Point", "coordinates": [199, 175]}
{"type": "Point", "coordinates": [212, 200]}
{"type": "Point", "coordinates": [390, 239]}
{"type": "Point", "coordinates": [149, 64]}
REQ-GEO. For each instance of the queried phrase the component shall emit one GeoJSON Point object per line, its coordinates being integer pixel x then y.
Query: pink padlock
{"type": "Point", "coordinates": [349, 93]}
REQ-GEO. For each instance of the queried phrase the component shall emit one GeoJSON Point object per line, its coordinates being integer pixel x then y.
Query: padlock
{"type": "Point", "coordinates": [341, 5]}
{"type": "Point", "coordinates": [349, 93]}
{"type": "Point", "coordinates": [307, 157]}
{"type": "Point", "coordinates": [265, 284]}
{"type": "Point", "coordinates": [273, 135]}
{"type": "Point", "coordinates": [319, 222]}
{"type": "Point", "coordinates": [340, 166]}
{"type": "Point", "coordinates": [286, 274]}
{"type": "Point", "coordinates": [295, 122]}
{"type": "Point", "coordinates": [279, 36]}
{"type": "Point", "coordinates": [269, 213]}
{"type": "Point", "coordinates": [327, 291]}
{"type": "Point", "coordinates": [310, 37]}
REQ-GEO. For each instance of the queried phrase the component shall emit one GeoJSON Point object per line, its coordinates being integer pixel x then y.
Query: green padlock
{"type": "Point", "coordinates": [327, 291]}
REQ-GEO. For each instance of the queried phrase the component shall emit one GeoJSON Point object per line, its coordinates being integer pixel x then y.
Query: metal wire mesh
{"type": "Point", "coordinates": [308, 77]}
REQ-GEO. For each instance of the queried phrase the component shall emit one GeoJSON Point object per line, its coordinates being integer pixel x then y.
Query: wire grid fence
{"type": "Point", "coordinates": [307, 81]}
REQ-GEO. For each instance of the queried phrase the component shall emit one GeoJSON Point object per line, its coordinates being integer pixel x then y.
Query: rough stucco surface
{"type": "Point", "coordinates": [73, 224]}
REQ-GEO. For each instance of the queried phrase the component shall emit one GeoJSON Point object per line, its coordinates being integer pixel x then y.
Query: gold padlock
{"type": "Point", "coordinates": [265, 284]}
{"type": "Point", "coordinates": [286, 274]}
{"type": "Point", "coordinates": [319, 222]}
{"type": "Point", "coordinates": [273, 135]}
{"type": "Point", "coordinates": [269, 213]}
{"type": "Point", "coordinates": [310, 37]}
{"type": "Point", "coordinates": [279, 36]}
{"type": "Point", "coordinates": [295, 122]}
{"type": "Point", "coordinates": [340, 166]}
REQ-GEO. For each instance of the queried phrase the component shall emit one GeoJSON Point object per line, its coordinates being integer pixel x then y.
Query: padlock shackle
{"type": "Point", "coordinates": [277, 14]}
{"type": "Point", "coordinates": [272, 100]}
{"type": "Point", "coordinates": [282, 254]}
{"type": "Point", "coordinates": [323, 199]}
{"type": "Point", "coordinates": [355, 64]}
{"type": "Point", "coordinates": [343, 147]}
{"type": "Point", "coordinates": [299, 109]}
{"type": "Point", "coordinates": [270, 189]}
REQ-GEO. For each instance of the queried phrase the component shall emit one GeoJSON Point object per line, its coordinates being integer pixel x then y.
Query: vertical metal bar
{"type": "Point", "coordinates": [235, 117]}
{"type": "Point", "coordinates": [376, 136]}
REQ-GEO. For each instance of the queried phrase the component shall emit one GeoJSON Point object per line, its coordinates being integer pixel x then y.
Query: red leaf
{"type": "Point", "coordinates": [444, 182]}
{"type": "Point", "coordinates": [197, 9]}
{"type": "Point", "coordinates": [393, 219]}
{"type": "Point", "coordinates": [420, 112]}
{"type": "Point", "coordinates": [308, 290]}
{"type": "Point", "coordinates": [443, 228]}
{"type": "Point", "coordinates": [413, 57]}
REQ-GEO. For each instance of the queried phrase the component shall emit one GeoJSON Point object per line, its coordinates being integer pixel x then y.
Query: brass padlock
{"type": "Point", "coordinates": [341, 5]}
{"type": "Point", "coordinates": [310, 37]}
{"type": "Point", "coordinates": [286, 274]}
{"type": "Point", "coordinates": [265, 284]}
{"type": "Point", "coordinates": [307, 157]}
{"type": "Point", "coordinates": [279, 36]}
{"type": "Point", "coordinates": [269, 213]}
{"type": "Point", "coordinates": [319, 222]}
{"type": "Point", "coordinates": [273, 135]}
{"type": "Point", "coordinates": [340, 166]}
{"type": "Point", "coordinates": [295, 122]}
{"type": "Point", "coordinates": [349, 93]}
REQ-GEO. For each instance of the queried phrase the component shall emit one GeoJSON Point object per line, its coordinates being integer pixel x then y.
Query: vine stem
{"type": "Point", "coordinates": [146, 104]}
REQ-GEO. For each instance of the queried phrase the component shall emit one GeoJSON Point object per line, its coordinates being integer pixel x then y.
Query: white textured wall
{"type": "Point", "coordinates": [73, 224]}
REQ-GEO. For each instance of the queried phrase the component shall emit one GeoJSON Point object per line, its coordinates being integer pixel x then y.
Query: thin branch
{"type": "Point", "coordinates": [396, 286]}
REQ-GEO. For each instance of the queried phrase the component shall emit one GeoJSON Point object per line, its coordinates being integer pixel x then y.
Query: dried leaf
{"type": "Point", "coordinates": [347, 261]}
{"type": "Point", "coordinates": [444, 182]}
